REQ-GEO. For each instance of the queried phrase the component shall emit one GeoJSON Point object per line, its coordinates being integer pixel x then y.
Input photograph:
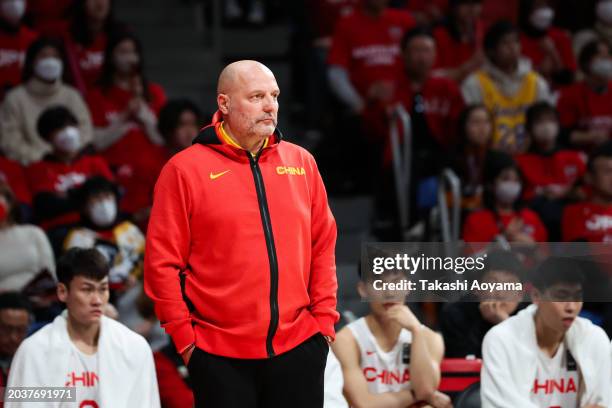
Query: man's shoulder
{"type": "Point", "coordinates": [39, 341]}
{"type": "Point", "coordinates": [123, 333]}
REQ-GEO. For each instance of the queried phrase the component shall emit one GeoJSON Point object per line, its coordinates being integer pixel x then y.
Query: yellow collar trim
{"type": "Point", "coordinates": [230, 141]}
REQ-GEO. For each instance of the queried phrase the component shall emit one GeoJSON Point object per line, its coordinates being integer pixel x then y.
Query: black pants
{"type": "Point", "coordinates": [293, 379]}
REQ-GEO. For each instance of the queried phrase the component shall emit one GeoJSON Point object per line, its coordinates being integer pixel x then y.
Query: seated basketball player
{"type": "Point", "coordinates": [547, 356]}
{"type": "Point", "coordinates": [388, 358]}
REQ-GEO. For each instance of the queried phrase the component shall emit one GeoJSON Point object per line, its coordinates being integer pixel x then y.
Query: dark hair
{"type": "Point", "coordinates": [536, 111]}
{"type": "Point", "coordinates": [86, 262]}
{"type": "Point", "coordinates": [93, 186]}
{"type": "Point", "coordinates": [588, 52]}
{"type": "Point", "coordinates": [14, 213]}
{"type": "Point", "coordinates": [464, 117]}
{"type": "Point", "coordinates": [495, 163]}
{"type": "Point", "coordinates": [14, 300]}
{"type": "Point", "coordinates": [54, 118]}
{"type": "Point", "coordinates": [108, 67]}
{"type": "Point", "coordinates": [451, 24]}
{"type": "Point", "coordinates": [604, 150]}
{"type": "Point", "coordinates": [170, 115]}
{"type": "Point", "coordinates": [27, 71]}
{"type": "Point", "coordinates": [495, 35]}
{"type": "Point", "coordinates": [418, 31]}
{"type": "Point", "coordinates": [79, 24]}
{"type": "Point", "coordinates": [555, 270]}
{"type": "Point", "coordinates": [505, 261]}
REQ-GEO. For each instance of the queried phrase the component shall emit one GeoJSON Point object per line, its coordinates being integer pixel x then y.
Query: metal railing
{"type": "Point", "coordinates": [402, 162]}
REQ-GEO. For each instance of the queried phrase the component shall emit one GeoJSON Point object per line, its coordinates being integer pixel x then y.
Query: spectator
{"type": "Point", "coordinates": [503, 217]}
{"type": "Point", "coordinates": [124, 107]}
{"type": "Point", "coordinates": [91, 26]}
{"type": "Point", "coordinates": [550, 173]}
{"type": "Point", "coordinates": [464, 323]}
{"type": "Point", "coordinates": [25, 252]}
{"type": "Point", "coordinates": [549, 48]}
{"type": "Point", "coordinates": [365, 57]}
{"type": "Point", "coordinates": [591, 220]}
{"type": "Point", "coordinates": [43, 87]}
{"type": "Point", "coordinates": [179, 123]}
{"type": "Point", "coordinates": [388, 357]}
{"type": "Point", "coordinates": [15, 38]}
{"type": "Point", "coordinates": [506, 85]}
{"type": "Point", "coordinates": [101, 227]}
{"type": "Point", "coordinates": [107, 363]}
{"type": "Point", "coordinates": [62, 170]}
{"type": "Point", "coordinates": [475, 130]}
{"type": "Point", "coordinates": [15, 318]}
{"type": "Point", "coordinates": [323, 16]}
{"type": "Point", "coordinates": [256, 11]}
{"type": "Point", "coordinates": [585, 108]}
{"type": "Point", "coordinates": [601, 30]}
{"type": "Point", "coordinates": [49, 17]}
{"type": "Point", "coordinates": [546, 355]}
{"type": "Point", "coordinates": [13, 175]}
{"type": "Point", "coordinates": [459, 40]}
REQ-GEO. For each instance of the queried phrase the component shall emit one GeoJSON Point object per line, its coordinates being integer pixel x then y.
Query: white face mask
{"type": "Point", "coordinates": [602, 67]}
{"type": "Point", "coordinates": [507, 192]}
{"type": "Point", "coordinates": [126, 63]}
{"type": "Point", "coordinates": [542, 18]}
{"type": "Point", "coordinates": [68, 139]}
{"type": "Point", "coordinates": [103, 213]}
{"type": "Point", "coordinates": [49, 69]}
{"type": "Point", "coordinates": [13, 10]}
{"type": "Point", "coordinates": [545, 131]}
{"type": "Point", "coordinates": [604, 12]}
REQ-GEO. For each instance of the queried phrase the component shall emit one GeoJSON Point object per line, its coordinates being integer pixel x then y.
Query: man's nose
{"type": "Point", "coordinates": [269, 104]}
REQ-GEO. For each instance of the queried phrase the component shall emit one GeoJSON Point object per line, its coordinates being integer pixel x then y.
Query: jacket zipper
{"type": "Point", "coordinates": [267, 226]}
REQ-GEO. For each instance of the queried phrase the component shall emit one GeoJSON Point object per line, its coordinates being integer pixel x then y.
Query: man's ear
{"type": "Point", "coordinates": [536, 296]}
{"type": "Point", "coordinates": [361, 289]}
{"type": "Point", "coordinates": [223, 103]}
{"type": "Point", "coordinates": [62, 292]}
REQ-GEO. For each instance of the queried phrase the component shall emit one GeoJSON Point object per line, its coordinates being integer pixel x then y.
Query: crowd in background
{"type": "Point", "coordinates": [514, 96]}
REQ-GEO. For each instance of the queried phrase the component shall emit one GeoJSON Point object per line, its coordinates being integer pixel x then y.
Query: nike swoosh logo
{"type": "Point", "coordinates": [216, 176]}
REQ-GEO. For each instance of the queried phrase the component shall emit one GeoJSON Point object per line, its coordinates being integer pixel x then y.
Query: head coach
{"type": "Point", "coordinates": [240, 254]}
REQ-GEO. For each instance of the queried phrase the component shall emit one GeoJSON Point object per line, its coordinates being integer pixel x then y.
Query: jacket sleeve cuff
{"type": "Point", "coordinates": [182, 335]}
{"type": "Point", "coordinates": [326, 326]}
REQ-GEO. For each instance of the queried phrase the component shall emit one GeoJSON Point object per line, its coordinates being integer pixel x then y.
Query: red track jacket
{"type": "Point", "coordinates": [240, 249]}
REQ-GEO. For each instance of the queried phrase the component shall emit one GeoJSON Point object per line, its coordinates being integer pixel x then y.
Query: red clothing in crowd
{"type": "Point", "coordinates": [369, 48]}
{"type": "Point", "coordinates": [561, 168]}
{"type": "Point", "coordinates": [12, 54]}
{"type": "Point", "coordinates": [580, 107]}
{"type": "Point", "coordinates": [173, 390]}
{"type": "Point", "coordinates": [90, 58]}
{"type": "Point", "coordinates": [12, 174]}
{"type": "Point", "coordinates": [494, 10]}
{"type": "Point", "coordinates": [532, 49]}
{"type": "Point", "coordinates": [57, 178]}
{"type": "Point", "coordinates": [49, 16]}
{"type": "Point", "coordinates": [325, 13]}
{"type": "Point", "coordinates": [136, 161]}
{"type": "Point", "coordinates": [483, 225]}
{"type": "Point", "coordinates": [587, 221]}
{"type": "Point", "coordinates": [451, 51]}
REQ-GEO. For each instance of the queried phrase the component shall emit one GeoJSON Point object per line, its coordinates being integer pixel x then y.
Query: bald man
{"type": "Point", "coordinates": [240, 255]}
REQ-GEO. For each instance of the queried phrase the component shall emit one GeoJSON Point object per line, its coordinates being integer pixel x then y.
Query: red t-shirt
{"type": "Point", "coordinates": [369, 48]}
{"type": "Point", "coordinates": [451, 52]}
{"type": "Point", "coordinates": [90, 59]}
{"type": "Point", "coordinates": [324, 14]}
{"type": "Point", "coordinates": [563, 168]}
{"type": "Point", "coordinates": [532, 49]}
{"type": "Point", "coordinates": [136, 161]}
{"type": "Point", "coordinates": [483, 225]}
{"type": "Point", "coordinates": [587, 221]}
{"type": "Point", "coordinates": [49, 176]}
{"type": "Point", "coordinates": [12, 54]}
{"type": "Point", "coordinates": [49, 16]}
{"type": "Point", "coordinates": [12, 174]}
{"type": "Point", "coordinates": [582, 108]}
{"type": "Point", "coordinates": [58, 177]}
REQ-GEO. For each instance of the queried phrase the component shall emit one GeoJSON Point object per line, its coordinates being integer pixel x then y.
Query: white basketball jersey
{"type": "Point", "coordinates": [557, 380]}
{"type": "Point", "coordinates": [384, 371]}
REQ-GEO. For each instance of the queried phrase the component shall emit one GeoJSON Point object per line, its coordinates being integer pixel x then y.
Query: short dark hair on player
{"type": "Point", "coordinates": [89, 263]}
{"type": "Point", "coordinates": [556, 270]}
{"type": "Point", "coordinates": [504, 261]}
